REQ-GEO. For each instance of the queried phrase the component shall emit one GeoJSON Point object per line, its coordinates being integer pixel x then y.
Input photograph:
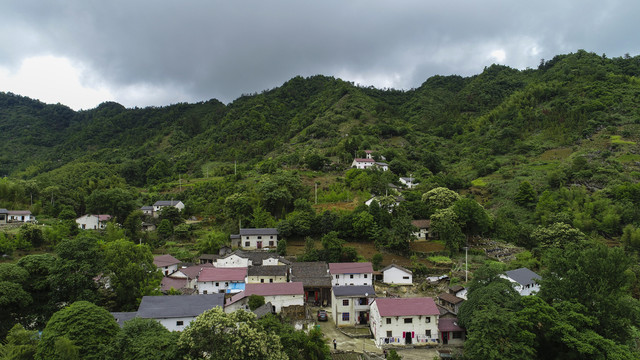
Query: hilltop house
{"type": "Point", "coordinates": [315, 279]}
{"type": "Point", "coordinates": [525, 281]}
{"type": "Point", "coordinates": [404, 321]}
{"type": "Point", "coordinates": [221, 280]}
{"type": "Point", "coordinates": [19, 216]}
{"type": "Point", "coordinates": [93, 222]}
{"type": "Point", "coordinates": [423, 228]}
{"type": "Point", "coordinates": [255, 239]}
{"type": "Point", "coordinates": [350, 304]}
{"type": "Point", "coordinates": [159, 205]}
{"type": "Point", "coordinates": [409, 182]}
{"type": "Point", "coordinates": [396, 274]}
{"type": "Point", "coordinates": [351, 273]}
{"type": "Point", "coordinates": [167, 263]}
{"type": "Point", "coordinates": [278, 294]}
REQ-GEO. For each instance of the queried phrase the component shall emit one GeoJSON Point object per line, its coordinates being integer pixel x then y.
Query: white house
{"type": "Point", "coordinates": [278, 294]}
{"type": "Point", "coordinates": [167, 263]}
{"type": "Point", "coordinates": [177, 311]}
{"type": "Point", "coordinates": [232, 260]}
{"type": "Point", "coordinates": [351, 273]}
{"type": "Point", "coordinates": [190, 274]}
{"type": "Point", "coordinates": [19, 216]}
{"type": "Point", "coordinates": [423, 228]}
{"type": "Point", "coordinates": [147, 210]}
{"type": "Point", "coordinates": [93, 222]}
{"type": "Point", "coordinates": [350, 304]}
{"type": "Point", "coordinates": [360, 163]}
{"type": "Point", "coordinates": [409, 182]}
{"type": "Point", "coordinates": [381, 165]}
{"type": "Point", "coordinates": [256, 239]}
{"type": "Point", "coordinates": [524, 280]}
{"type": "Point", "coordinates": [221, 280]}
{"type": "Point", "coordinates": [396, 274]}
{"type": "Point", "coordinates": [267, 274]}
{"type": "Point", "coordinates": [159, 205]}
{"type": "Point", "coordinates": [404, 321]}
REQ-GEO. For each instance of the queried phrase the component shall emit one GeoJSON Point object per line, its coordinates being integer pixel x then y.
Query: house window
{"type": "Point", "coordinates": [217, 284]}
{"type": "Point", "coordinates": [337, 277]}
{"type": "Point", "coordinates": [246, 237]}
{"type": "Point", "coordinates": [345, 302]}
{"type": "Point", "coordinates": [351, 276]}
{"type": "Point", "coordinates": [388, 321]}
{"type": "Point", "coordinates": [408, 320]}
{"type": "Point", "coordinates": [270, 280]}
{"type": "Point", "coordinates": [389, 333]}
{"type": "Point", "coordinates": [246, 243]}
{"type": "Point", "coordinates": [226, 284]}
{"type": "Point", "coordinates": [259, 237]}
{"type": "Point", "coordinates": [179, 323]}
{"type": "Point", "coordinates": [405, 277]}
{"type": "Point", "coordinates": [457, 334]}
{"type": "Point", "coordinates": [428, 319]}
{"type": "Point", "coordinates": [262, 280]}
{"type": "Point", "coordinates": [204, 291]}
{"type": "Point", "coordinates": [427, 333]}
{"type": "Point", "coordinates": [365, 276]}
{"type": "Point", "coordinates": [345, 316]}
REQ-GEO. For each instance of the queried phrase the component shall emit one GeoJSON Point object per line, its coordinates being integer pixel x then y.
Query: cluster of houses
{"type": "Point", "coordinates": [99, 222]}
{"type": "Point", "coordinates": [15, 216]}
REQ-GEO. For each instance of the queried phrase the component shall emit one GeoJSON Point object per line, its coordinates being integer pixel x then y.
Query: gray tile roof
{"type": "Point", "coordinates": [268, 270]}
{"type": "Point", "coordinates": [260, 231]}
{"type": "Point", "coordinates": [354, 290]}
{"type": "Point", "coordinates": [523, 276]}
{"type": "Point", "coordinates": [311, 274]}
{"type": "Point", "coordinates": [158, 307]}
{"type": "Point", "coordinates": [166, 203]}
{"type": "Point", "coordinates": [121, 317]}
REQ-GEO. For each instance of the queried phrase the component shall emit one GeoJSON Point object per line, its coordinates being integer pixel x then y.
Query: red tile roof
{"type": "Point", "coordinates": [269, 289]}
{"type": "Point", "coordinates": [165, 260]}
{"type": "Point", "coordinates": [222, 274]}
{"type": "Point", "coordinates": [450, 298]}
{"type": "Point", "coordinates": [449, 324]}
{"type": "Point", "coordinates": [364, 160]}
{"type": "Point", "coordinates": [192, 272]}
{"type": "Point", "coordinates": [167, 283]}
{"type": "Point", "coordinates": [406, 306]}
{"type": "Point", "coordinates": [351, 268]}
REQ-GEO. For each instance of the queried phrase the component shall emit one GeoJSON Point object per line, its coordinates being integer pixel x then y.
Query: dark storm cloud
{"type": "Point", "coordinates": [196, 50]}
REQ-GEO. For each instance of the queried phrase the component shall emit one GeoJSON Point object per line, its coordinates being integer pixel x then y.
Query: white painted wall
{"type": "Point", "coordinates": [232, 261]}
{"type": "Point", "coordinates": [523, 290]}
{"type": "Point", "coordinates": [172, 323]}
{"type": "Point", "coordinates": [215, 287]}
{"type": "Point", "coordinates": [353, 308]}
{"type": "Point", "coordinates": [396, 276]}
{"type": "Point", "coordinates": [351, 279]}
{"type": "Point", "coordinates": [250, 242]}
{"type": "Point", "coordinates": [168, 270]}
{"type": "Point", "coordinates": [278, 301]}
{"type": "Point", "coordinates": [90, 222]}
{"type": "Point", "coordinates": [266, 279]}
{"type": "Point", "coordinates": [419, 326]}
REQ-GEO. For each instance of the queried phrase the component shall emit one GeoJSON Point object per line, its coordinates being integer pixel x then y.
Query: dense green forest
{"type": "Point", "coordinates": [545, 159]}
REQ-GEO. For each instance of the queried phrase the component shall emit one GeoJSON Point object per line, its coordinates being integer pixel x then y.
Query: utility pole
{"type": "Point", "coordinates": [235, 167]}
{"type": "Point", "coordinates": [316, 193]}
{"type": "Point", "coordinates": [466, 264]}
{"type": "Point", "coordinates": [180, 182]}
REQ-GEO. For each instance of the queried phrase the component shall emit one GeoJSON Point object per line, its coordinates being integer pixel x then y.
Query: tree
{"type": "Point", "coordinates": [116, 201]}
{"type": "Point", "coordinates": [526, 196]}
{"type": "Point", "coordinates": [212, 243]}
{"type": "Point", "coordinates": [376, 261]}
{"type": "Point", "coordinates": [21, 344]}
{"type": "Point", "coordinates": [393, 355]}
{"type": "Point", "coordinates": [440, 198]}
{"type": "Point", "coordinates": [217, 335]}
{"type": "Point", "coordinates": [297, 344]}
{"type": "Point", "coordinates": [32, 234]}
{"type": "Point", "coordinates": [172, 214]}
{"type": "Point", "coordinates": [89, 327]}
{"type": "Point", "coordinates": [38, 267]}
{"type": "Point", "coordinates": [144, 339]}
{"type": "Point", "coordinates": [255, 301]}
{"type": "Point", "coordinates": [133, 224]}
{"type": "Point", "coordinates": [557, 235]}
{"type": "Point", "coordinates": [131, 272]}
{"type": "Point", "coordinates": [14, 300]}
{"type": "Point", "coordinates": [472, 217]}
{"type": "Point", "coordinates": [444, 223]}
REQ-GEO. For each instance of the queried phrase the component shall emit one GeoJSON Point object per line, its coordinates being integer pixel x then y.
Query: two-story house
{"type": "Point", "coordinates": [524, 280]}
{"type": "Point", "coordinates": [159, 205]}
{"type": "Point", "coordinates": [167, 263]}
{"type": "Point", "coordinates": [267, 274]}
{"type": "Point", "coordinates": [213, 280]}
{"type": "Point", "coordinates": [93, 222]}
{"type": "Point", "coordinates": [360, 273]}
{"type": "Point", "coordinates": [256, 239]}
{"type": "Point", "coordinates": [350, 304]}
{"type": "Point", "coordinates": [404, 321]}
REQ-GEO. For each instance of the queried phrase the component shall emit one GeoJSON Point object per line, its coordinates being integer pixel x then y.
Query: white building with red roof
{"type": "Point", "coordinates": [404, 321]}
{"type": "Point", "coordinates": [360, 273]}
{"type": "Point", "coordinates": [167, 263]}
{"type": "Point", "coordinates": [93, 222]}
{"type": "Point", "coordinates": [278, 294]}
{"type": "Point", "coordinates": [212, 280]}
{"type": "Point", "coordinates": [360, 163]}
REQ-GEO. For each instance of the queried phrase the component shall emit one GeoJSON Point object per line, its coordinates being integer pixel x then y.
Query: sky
{"type": "Point", "coordinates": [141, 53]}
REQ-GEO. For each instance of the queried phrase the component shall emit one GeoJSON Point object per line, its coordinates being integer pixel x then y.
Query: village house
{"type": "Point", "coordinates": [176, 312]}
{"type": "Point", "coordinates": [315, 279]}
{"type": "Point", "coordinates": [409, 182]}
{"type": "Point", "coordinates": [4, 213]}
{"type": "Point", "coordinates": [178, 284]}
{"type": "Point", "coordinates": [360, 163]}
{"type": "Point", "coordinates": [241, 258]}
{"type": "Point", "coordinates": [267, 274]}
{"type": "Point", "coordinates": [404, 321]}
{"type": "Point", "coordinates": [350, 304]}
{"type": "Point", "coordinates": [351, 273]}
{"type": "Point", "coordinates": [189, 274]}
{"type": "Point", "coordinates": [159, 205]}
{"type": "Point", "coordinates": [423, 228]}
{"type": "Point", "coordinates": [450, 302]}
{"type": "Point", "coordinates": [450, 332]}
{"type": "Point", "coordinates": [280, 295]}
{"type": "Point", "coordinates": [459, 291]}
{"type": "Point", "coordinates": [256, 239]}
{"type": "Point", "coordinates": [93, 222]}
{"type": "Point", "coordinates": [147, 210]}
{"type": "Point", "coordinates": [167, 263]}
{"type": "Point", "coordinates": [214, 280]}
{"type": "Point", "coordinates": [19, 216]}
{"type": "Point", "coordinates": [396, 274]}
{"type": "Point", "coordinates": [524, 280]}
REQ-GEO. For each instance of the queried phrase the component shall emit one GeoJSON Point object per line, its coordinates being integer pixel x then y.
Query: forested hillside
{"type": "Point", "coordinates": [543, 160]}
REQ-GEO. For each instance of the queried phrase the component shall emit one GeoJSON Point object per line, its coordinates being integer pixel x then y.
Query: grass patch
{"type": "Point", "coordinates": [617, 139]}
{"type": "Point", "coordinates": [440, 259]}
{"type": "Point", "coordinates": [627, 158]}
{"type": "Point", "coordinates": [479, 182]}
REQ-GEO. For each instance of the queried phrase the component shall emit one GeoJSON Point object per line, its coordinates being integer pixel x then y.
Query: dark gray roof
{"type": "Point", "coordinates": [147, 207]}
{"type": "Point", "coordinates": [158, 307]}
{"type": "Point", "coordinates": [263, 310]}
{"type": "Point", "coordinates": [268, 270]}
{"type": "Point", "coordinates": [260, 231]}
{"type": "Point", "coordinates": [3, 211]}
{"type": "Point", "coordinates": [354, 290]}
{"type": "Point", "coordinates": [210, 256]}
{"type": "Point", "coordinates": [121, 317]}
{"type": "Point", "coordinates": [311, 274]}
{"type": "Point", "coordinates": [523, 276]}
{"type": "Point", "coordinates": [234, 236]}
{"type": "Point", "coordinates": [166, 203]}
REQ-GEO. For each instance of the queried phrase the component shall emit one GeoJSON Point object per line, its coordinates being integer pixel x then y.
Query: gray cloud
{"type": "Point", "coordinates": [161, 52]}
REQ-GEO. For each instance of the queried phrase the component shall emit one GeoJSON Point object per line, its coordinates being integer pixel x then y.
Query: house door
{"type": "Point", "coordinates": [259, 245]}
{"type": "Point", "coordinates": [407, 337]}
{"type": "Point", "coordinates": [445, 338]}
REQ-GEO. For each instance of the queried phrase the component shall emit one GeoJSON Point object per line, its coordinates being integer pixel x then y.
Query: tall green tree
{"type": "Point", "coordinates": [144, 339]}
